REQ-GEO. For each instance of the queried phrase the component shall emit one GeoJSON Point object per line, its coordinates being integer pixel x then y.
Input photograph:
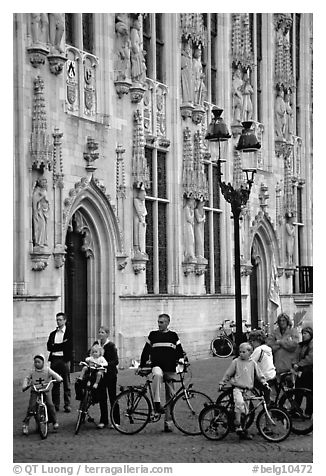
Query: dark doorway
{"type": "Point", "coordinates": [253, 294]}
{"type": "Point", "coordinates": [76, 294]}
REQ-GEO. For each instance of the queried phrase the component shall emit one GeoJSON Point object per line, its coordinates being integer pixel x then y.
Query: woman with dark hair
{"type": "Point", "coordinates": [304, 359]}
{"type": "Point", "coordinates": [284, 342]}
{"type": "Point", "coordinates": [108, 384]}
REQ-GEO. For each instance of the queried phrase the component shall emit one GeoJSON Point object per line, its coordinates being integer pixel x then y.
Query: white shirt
{"type": "Point", "coordinates": [263, 356]}
{"type": "Point", "coordinates": [58, 339]}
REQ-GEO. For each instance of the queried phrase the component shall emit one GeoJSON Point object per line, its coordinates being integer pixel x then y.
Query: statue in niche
{"type": "Point", "coordinates": [198, 77]}
{"type": "Point", "coordinates": [186, 73]}
{"type": "Point", "coordinates": [237, 98]}
{"type": "Point", "coordinates": [247, 92]}
{"type": "Point", "coordinates": [189, 237]}
{"type": "Point", "coordinates": [56, 29]}
{"type": "Point", "coordinates": [39, 28]}
{"type": "Point", "coordinates": [290, 233]}
{"type": "Point", "coordinates": [138, 67]}
{"type": "Point", "coordinates": [289, 127]}
{"type": "Point", "coordinates": [123, 49]}
{"type": "Point", "coordinates": [199, 227]}
{"type": "Point", "coordinates": [280, 115]}
{"type": "Point", "coordinates": [40, 210]}
{"type": "Point", "coordinates": [140, 213]}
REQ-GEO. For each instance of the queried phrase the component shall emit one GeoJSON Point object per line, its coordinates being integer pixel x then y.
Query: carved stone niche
{"type": "Point", "coordinates": [59, 254]}
{"type": "Point", "coordinates": [122, 261]}
{"type": "Point", "coordinates": [57, 63]}
{"type": "Point", "coordinates": [198, 114]}
{"type": "Point", "coordinates": [122, 87]}
{"type": "Point", "coordinates": [139, 261]}
{"type": "Point", "coordinates": [37, 55]}
{"type": "Point", "coordinates": [289, 271]}
{"type": "Point", "coordinates": [186, 110]}
{"type": "Point", "coordinates": [39, 260]}
{"type": "Point", "coordinates": [200, 267]}
{"type": "Point", "coordinates": [189, 267]}
{"type": "Point", "coordinates": [246, 269]}
{"type": "Point", "coordinates": [137, 92]}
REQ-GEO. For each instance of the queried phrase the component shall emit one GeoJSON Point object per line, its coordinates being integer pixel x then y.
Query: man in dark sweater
{"type": "Point", "coordinates": [162, 352]}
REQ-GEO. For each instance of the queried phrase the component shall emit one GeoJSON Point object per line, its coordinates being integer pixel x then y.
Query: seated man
{"type": "Point", "coordinates": [162, 351]}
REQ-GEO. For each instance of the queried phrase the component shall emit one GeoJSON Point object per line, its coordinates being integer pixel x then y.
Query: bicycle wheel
{"type": "Point", "coordinates": [134, 409]}
{"type": "Point", "coordinates": [185, 411]}
{"type": "Point", "coordinates": [276, 428]}
{"type": "Point", "coordinates": [298, 403]}
{"type": "Point", "coordinates": [214, 422]}
{"type": "Point", "coordinates": [225, 400]}
{"type": "Point", "coordinates": [222, 347]}
{"type": "Point", "coordinates": [82, 410]}
{"type": "Point", "coordinates": [42, 420]}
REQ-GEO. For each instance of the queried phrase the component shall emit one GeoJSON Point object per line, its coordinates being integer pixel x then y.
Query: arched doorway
{"type": "Point", "coordinates": [93, 247]}
{"type": "Point", "coordinates": [264, 247]}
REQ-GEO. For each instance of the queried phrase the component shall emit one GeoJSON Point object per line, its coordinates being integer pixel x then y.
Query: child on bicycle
{"type": "Point", "coordinates": [40, 376]}
{"type": "Point", "coordinates": [242, 373]}
{"type": "Point", "coordinates": [96, 357]}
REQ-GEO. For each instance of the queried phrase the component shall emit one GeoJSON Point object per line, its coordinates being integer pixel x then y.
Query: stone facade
{"type": "Point", "coordinates": [97, 122]}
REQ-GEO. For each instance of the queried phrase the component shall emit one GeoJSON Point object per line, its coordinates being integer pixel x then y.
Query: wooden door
{"type": "Point", "coordinates": [76, 295]}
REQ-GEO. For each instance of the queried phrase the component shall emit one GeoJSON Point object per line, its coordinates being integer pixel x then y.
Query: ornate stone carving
{"type": "Point", "coordinates": [198, 113]}
{"type": "Point", "coordinates": [188, 179]}
{"type": "Point", "coordinates": [289, 241]}
{"type": "Point", "coordinates": [81, 227]}
{"type": "Point", "coordinates": [245, 269]}
{"type": "Point", "coordinates": [39, 260]}
{"type": "Point", "coordinates": [192, 27]}
{"type": "Point", "coordinates": [200, 91]}
{"type": "Point", "coordinates": [40, 147]}
{"type": "Point", "coordinates": [263, 196]}
{"type": "Point", "coordinates": [37, 55]}
{"type": "Point", "coordinates": [139, 221]}
{"type": "Point", "coordinates": [138, 265]}
{"type": "Point", "coordinates": [199, 177]}
{"type": "Point", "coordinates": [72, 79]}
{"type": "Point", "coordinates": [160, 101]}
{"type": "Point", "coordinates": [40, 214]}
{"type": "Point", "coordinates": [122, 87]}
{"type": "Point", "coordinates": [138, 65]}
{"type": "Point", "coordinates": [148, 108]}
{"type": "Point", "coordinates": [187, 85]}
{"type": "Point", "coordinates": [120, 172]}
{"type": "Point", "coordinates": [57, 159]}
{"type": "Point", "coordinates": [140, 172]}
{"type": "Point", "coordinates": [91, 155]}
{"type": "Point", "coordinates": [188, 268]}
{"type": "Point", "coordinates": [56, 63]}
{"type": "Point", "coordinates": [89, 67]}
{"type": "Point", "coordinates": [283, 62]}
{"type": "Point", "coordinates": [136, 93]}
{"type": "Point", "coordinates": [188, 230]}
{"type": "Point", "coordinates": [59, 255]}
{"type": "Point", "coordinates": [200, 268]}
{"type": "Point", "coordinates": [241, 41]}
{"type": "Point", "coordinates": [38, 50]}
{"type": "Point", "coordinates": [122, 50]}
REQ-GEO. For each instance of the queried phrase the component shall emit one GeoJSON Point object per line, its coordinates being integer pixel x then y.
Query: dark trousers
{"type": "Point", "coordinates": [32, 405]}
{"type": "Point", "coordinates": [62, 368]}
{"type": "Point", "coordinates": [108, 385]}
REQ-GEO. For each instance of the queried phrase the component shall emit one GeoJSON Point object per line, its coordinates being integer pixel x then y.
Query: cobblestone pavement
{"type": "Point", "coordinates": [151, 445]}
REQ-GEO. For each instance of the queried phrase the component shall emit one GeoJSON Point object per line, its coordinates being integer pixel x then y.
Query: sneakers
{"type": "Point", "coordinates": [95, 386]}
{"type": "Point", "coordinates": [100, 426]}
{"type": "Point", "coordinates": [238, 430]}
{"type": "Point", "coordinates": [158, 407]}
{"type": "Point", "coordinates": [55, 426]}
{"type": "Point", "coordinates": [25, 430]}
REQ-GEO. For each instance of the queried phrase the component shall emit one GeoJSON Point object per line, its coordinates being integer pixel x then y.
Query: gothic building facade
{"type": "Point", "coordinates": [118, 214]}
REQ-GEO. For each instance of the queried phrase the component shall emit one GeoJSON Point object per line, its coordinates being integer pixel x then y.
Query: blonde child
{"type": "Point", "coordinates": [241, 373]}
{"type": "Point", "coordinates": [40, 376]}
{"type": "Point", "coordinates": [96, 357]}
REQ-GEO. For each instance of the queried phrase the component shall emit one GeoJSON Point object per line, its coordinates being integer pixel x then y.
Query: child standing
{"type": "Point", "coordinates": [96, 358]}
{"type": "Point", "coordinates": [263, 356]}
{"type": "Point", "coordinates": [242, 373]}
{"type": "Point", "coordinates": [40, 376]}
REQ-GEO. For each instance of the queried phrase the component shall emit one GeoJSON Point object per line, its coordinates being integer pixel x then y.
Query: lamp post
{"type": "Point", "coordinates": [237, 197]}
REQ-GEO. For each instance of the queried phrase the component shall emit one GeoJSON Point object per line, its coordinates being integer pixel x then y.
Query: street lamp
{"type": "Point", "coordinates": [237, 197]}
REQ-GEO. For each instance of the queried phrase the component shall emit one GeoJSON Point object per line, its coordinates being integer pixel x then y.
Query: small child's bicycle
{"type": "Point", "coordinates": [41, 411]}
{"type": "Point", "coordinates": [274, 424]}
{"type": "Point", "coordinates": [86, 394]}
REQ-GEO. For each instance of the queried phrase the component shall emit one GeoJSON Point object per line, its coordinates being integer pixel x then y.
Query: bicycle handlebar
{"type": "Point", "coordinates": [93, 365]}
{"type": "Point", "coordinates": [43, 389]}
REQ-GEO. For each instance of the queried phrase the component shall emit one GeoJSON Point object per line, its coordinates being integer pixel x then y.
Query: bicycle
{"type": "Point", "coordinates": [136, 405]}
{"type": "Point", "coordinates": [86, 394]}
{"type": "Point", "coordinates": [295, 401]}
{"type": "Point", "coordinates": [41, 411]}
{"type": "Point", "coordinates": [274, 424]}
{"type": "Point", "coordinates": [223, 345]}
